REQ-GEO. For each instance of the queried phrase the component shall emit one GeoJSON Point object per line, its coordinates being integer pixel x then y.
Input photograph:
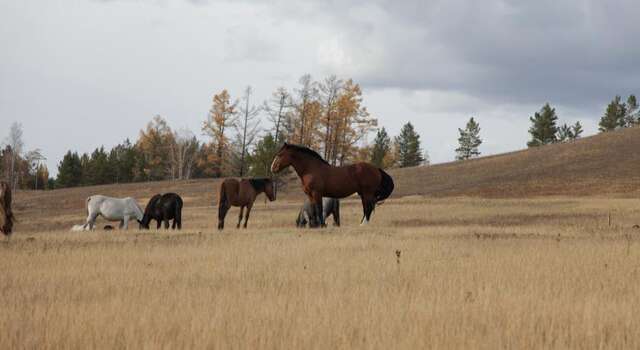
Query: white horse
{"type": "Point", "coordinates": [112, 209]}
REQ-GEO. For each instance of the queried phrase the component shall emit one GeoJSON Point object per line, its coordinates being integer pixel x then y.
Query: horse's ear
{"type": "Point", "coordinates": [285, 144]}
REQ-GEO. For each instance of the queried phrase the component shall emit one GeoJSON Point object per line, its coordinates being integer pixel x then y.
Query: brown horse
{"type": "Point", "coordinates": [320, 179]}
{"type": "Point", "coordinates": [6, 215]}
{"type": "Point", "coordinates": [241, 194]}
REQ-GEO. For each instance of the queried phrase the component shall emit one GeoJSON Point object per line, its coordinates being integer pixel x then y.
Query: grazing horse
{"type": "Point", "coordinates": [112, 209]}
{"type": "Point", "coordinates": [330, 206]}
{"type": "Point", "coordinates": [163, 208]}
{"type": "Point", "coordinates": [320, 179]}
{"type": "Point", "coordinates": [6, 215]}
{"type": "Point", "coordinates": [242, 194]}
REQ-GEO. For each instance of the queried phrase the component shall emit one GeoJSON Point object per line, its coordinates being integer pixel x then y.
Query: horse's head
{"type": "Point", "coordinates": [268, 190]}
{"type": "Point", "coordinates": [144, 223]}
{"type": "Point", "coordinates": [282, 159]}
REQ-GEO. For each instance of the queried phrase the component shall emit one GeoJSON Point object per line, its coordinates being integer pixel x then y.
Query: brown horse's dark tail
{"type": "Point", "coordinates": [386, 187]}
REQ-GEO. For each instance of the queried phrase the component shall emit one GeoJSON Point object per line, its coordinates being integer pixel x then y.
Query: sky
{"type": "Point", "coordinates": [78, 74]}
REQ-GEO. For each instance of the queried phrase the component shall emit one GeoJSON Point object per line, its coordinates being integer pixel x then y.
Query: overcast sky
{"type": "Point", "coordinates": [83, 73]}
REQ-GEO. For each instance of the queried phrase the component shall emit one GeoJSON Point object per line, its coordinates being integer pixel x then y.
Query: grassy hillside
{"type": "Point", "coordinates": [601, 165]}
{"type": "Point", "coordinates": [605, 164]}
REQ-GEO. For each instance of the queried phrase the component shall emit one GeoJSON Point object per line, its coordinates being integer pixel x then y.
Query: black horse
{"type": "Point", "coordinates": [330, 206]}
{"type": "Point", "coordinates": [163, 208]}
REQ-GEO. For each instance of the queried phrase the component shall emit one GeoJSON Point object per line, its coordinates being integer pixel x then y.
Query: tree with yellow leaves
{"type": "Point", "coordinates": [154, 145]}
{"type": "Point", "coordinates": [350, 125]}
{"type": "Point", "coordinates": [222, 117]}
{"type": "Point", "coordinates": [303, 121]}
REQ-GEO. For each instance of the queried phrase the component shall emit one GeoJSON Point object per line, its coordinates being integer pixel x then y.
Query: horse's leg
{"type": "Point", "coordinates": [177, 220]}
{"type": "Point", "coordinates": [240, 216]}
{"type": "Point", "coordinates": [336, 214]}
{"type": "Point", "coordinates": [91, 221]}
{"type": "Point", "coordinates": [121, 224]}
{"type": "Point", "coordinates": [372, 207]}
{"type": "Point", "coordinates": [365, 210]}
{"type": "Point", "coordinates": [317, 201]}
{"type": "Point", "coordinates": [368, 205]}
{"type": "Point", "coordinates": [246, 218]}
{"type": "Point", "coordinates": [222, 213]}
{"type": "Point", "coordinates": [158, 224]}
{"type": "Point", "coordinates": [126, 222]}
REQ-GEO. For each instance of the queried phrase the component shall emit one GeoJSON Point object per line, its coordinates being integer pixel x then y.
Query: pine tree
{"type": "Point", "coordinates": [565, 133]}
{"type": "Point", "coordinates": [69, 171]}
{"type": "Point", "coordinates": [576, 130]}
{"type": "Point", "coordinates": [469, 141]}
{"type": "Point", "coordinates": [122, 163]}
{"type": "Point", "coordinates": [544, 129]}
{"type": "Point", "coordinates": [259, 161]}
{"type": "Point", "coordinates": [381, 147]}
{"type": "Point", "coordinates": [408, 143]}
{"type": "Point", "coordinates": [613, 117]}
{"type": "Point", "coordinates": [97, 169]}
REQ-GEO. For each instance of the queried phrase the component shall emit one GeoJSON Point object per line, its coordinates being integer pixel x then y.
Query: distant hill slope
{"type": "Point", "coordinates": [604, 164]}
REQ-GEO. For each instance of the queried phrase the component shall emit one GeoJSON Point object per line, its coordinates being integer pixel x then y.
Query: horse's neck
{"type": "Point", "coordinates": [304, 168]}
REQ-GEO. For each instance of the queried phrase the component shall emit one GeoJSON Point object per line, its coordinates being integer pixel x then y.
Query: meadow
{"type": "Point", "coordinates": [552, 272]}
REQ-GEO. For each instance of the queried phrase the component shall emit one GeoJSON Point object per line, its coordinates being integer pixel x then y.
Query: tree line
{"type": "Point", "coordinates": [242, 137]}
{"type": "Point", "coordinates": [546, 130]}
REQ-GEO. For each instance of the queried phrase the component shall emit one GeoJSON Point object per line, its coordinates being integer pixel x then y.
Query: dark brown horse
{"type": "Point", "coordinates": [241, 194]}
{"type": "Point", "coordinates": [163, 208]}
{"type": "Point", "coordinates": [6, 215]}
{"type": "Point", "coordinates": [320, 179]}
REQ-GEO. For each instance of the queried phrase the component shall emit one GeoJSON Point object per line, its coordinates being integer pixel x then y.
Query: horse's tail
{"type": "Point", "coordinates": [178, 212]}
{"type": "Point", "coordinates": [87, 204]}
{"type": "Point", "coordinates": [386, 187]}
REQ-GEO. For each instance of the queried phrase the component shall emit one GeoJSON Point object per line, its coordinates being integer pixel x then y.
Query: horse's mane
{"type": "Point", "coordinates": [259, 184]}
{"type": "Point", "coordinates": [152, 203]}
{"type": "Point", "coordinates": [307, 151]}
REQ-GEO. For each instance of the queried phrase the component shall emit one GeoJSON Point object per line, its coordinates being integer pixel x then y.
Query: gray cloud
{"type": "Point", "coordinates": [569, 52]}
{"type": "Point", "coordinates": [70, 67]}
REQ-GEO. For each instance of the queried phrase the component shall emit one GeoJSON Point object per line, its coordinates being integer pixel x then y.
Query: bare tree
{"type": "Point", "coordinates": [15, 142]}
{"type": "Point", "coordinates": [183, 153]}
{"type": "Point", "coordinates": [306, 95]}
{"type": "Point", "coordinates": [330, 90]}
{"type": "Point", "coordinates": [247, 126]}
{"type": "Point", "coordinates": [276, 109]}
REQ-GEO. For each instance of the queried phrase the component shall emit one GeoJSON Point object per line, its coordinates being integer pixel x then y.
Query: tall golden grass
{"type": "Point", "coordinates": [471, 273]}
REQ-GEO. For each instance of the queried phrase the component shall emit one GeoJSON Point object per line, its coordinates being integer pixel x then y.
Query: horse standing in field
{"type": "Point", "coordinates": [241, 194]}
{"type": "Point", "coordinates": [330, 207]}
{"type": "Point", "coordinates": [112, 209]}
{"type": "Point", "coordinates": [320, 179]}
{"type": "Point", "coordinates": [6, 215]}
{"type": "Point", "coordinates": [163, 208]}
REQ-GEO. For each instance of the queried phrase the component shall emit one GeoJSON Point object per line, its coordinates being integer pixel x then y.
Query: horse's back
{"type": "Point", "coordinates": [234, 191]}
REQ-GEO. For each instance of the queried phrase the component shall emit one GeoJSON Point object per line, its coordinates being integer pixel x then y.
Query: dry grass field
{"type": "Point", "coordinates": [531, 249]}
{"type": "Point", "coordinates": [472, 273]}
